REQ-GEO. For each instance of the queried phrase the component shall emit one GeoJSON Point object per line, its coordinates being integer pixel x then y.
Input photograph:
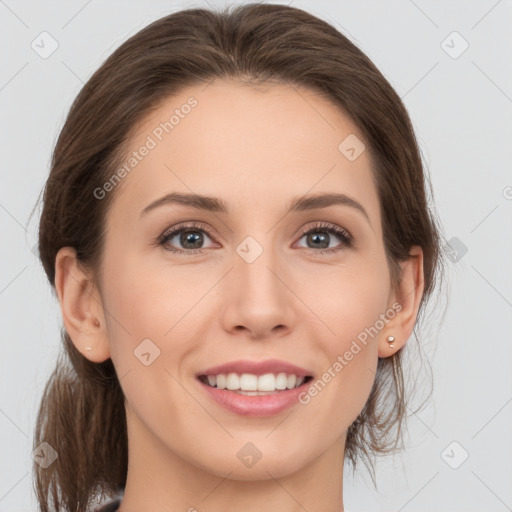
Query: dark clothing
{"type": "Point", "coordinates": [110, 506]}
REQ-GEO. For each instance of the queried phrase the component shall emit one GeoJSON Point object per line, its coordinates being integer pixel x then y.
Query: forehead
{"type": "Point", "coordinates": [250, 145]}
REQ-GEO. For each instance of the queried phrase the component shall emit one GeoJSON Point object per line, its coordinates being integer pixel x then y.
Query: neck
{"type": "Point", "coordinates": [160, 479]}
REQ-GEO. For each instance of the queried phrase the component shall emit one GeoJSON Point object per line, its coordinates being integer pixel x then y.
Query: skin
{"type": "Point", "coordinates": [213, 307]}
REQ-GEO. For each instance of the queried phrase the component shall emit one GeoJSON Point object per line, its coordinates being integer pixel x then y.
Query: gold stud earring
{"type": "Point", "coordinates": [390, 340]}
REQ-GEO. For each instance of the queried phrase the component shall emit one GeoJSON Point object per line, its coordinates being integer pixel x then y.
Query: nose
{"type": "Point", "coordinates": [258, 298]}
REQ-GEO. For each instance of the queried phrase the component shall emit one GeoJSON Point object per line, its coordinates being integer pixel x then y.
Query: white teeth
{"type": "Point", "coordinates": [266, 382]}
{"type": "Point", "coordinates": [281, 381]}
{"type": "Point", "coordinates": [221, 381]}
{"type": "Point", "coordinates": [232, 381]}
{"type": "Point", "coordinates": [249, 382]}
{"type": "Point", "coordinates": [254, 383]}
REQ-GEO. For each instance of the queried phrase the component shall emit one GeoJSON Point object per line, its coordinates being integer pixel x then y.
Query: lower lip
{"type": "Point", "coordinates": [255, 405]}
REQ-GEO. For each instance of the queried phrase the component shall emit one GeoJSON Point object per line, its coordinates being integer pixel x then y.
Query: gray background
{"type": "Point", "coordinates": [461, 107]}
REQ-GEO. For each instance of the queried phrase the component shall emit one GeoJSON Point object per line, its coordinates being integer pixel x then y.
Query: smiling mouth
{"type": "Point", "coordinates": [250, 384]}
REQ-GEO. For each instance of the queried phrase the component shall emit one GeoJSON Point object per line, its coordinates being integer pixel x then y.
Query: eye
{"type": "Point", "coordinates": [190, 236]}
{"type": "Point", "coordinates": [320, 235]}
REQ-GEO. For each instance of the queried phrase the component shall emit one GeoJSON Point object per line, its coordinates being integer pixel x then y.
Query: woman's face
{"type": "Point", "coordinates": [246, 282]}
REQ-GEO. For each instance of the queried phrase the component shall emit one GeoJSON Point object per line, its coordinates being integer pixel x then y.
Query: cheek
{"type": "Point", "coordinates": [353, 310]}
{"type": "Point", "coordinates": [147, 327]}
{"type": "Point", "coordinates": [149, 301]}
{"type": "Point", "coordinates": [350, 301]}
{"type": "Point", "coordinates": [135, 312]}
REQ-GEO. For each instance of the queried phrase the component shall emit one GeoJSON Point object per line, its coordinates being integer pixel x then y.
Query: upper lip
{"type": "Point", "coordinates": [257, 368]}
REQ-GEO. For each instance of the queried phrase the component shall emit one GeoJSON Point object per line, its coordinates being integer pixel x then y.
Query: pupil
{"type": "Point", "coordinates": [317, 237]}
{"type": "Point", "coordinates": [190, 236]}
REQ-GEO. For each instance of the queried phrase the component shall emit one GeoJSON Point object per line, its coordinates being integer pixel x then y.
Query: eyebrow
{"type": "Point", "coordinates": [216, 205]}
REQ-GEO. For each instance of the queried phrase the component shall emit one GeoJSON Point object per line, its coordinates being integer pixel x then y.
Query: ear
{"type": "Point", "coordinates": [406, 300]}
{"type": "Point", "coordinates": [81, 307]}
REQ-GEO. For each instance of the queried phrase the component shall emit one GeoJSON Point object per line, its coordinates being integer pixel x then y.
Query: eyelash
{"type": "Point", "coordinates": [323, 227]}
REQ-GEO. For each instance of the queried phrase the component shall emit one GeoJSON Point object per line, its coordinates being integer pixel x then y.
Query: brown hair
{"type": "Point", "coordinates": [81, 414]}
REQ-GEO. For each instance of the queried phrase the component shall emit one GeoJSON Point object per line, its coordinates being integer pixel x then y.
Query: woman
{"type": "Point", "coordinates": [236, 226]}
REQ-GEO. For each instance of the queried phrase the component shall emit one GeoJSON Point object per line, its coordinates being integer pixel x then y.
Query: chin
{"type": "Point", "coordinates": [248, 463]}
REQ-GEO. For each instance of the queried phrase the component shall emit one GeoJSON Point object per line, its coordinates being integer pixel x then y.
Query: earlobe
{"type": "Point", "coordinates": [80, 302]}
{"type": "Point", "coordinates": [408, 297]}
